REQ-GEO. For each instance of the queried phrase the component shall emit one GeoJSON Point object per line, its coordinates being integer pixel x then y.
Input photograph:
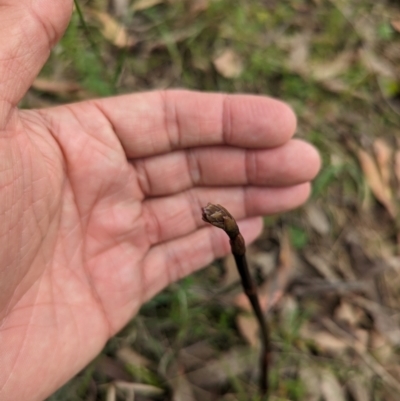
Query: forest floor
{"type": "Point", "coordinates": [329, 272]}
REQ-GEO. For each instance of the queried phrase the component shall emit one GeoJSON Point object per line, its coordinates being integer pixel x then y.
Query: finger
{"type": "Point", "coordinates": [170, 261]}
{"type": "Point", "coordinates": [174, 216]}
{"type": "Point", "coordinates": [293, 163]}
{"type": "Point", "coordinates": [28, 30]}
{"type": "Point", "coordinates": [159, 122]}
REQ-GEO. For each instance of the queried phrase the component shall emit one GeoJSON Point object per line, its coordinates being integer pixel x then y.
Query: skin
{"type": "Point", "coordinates": [100, 200]}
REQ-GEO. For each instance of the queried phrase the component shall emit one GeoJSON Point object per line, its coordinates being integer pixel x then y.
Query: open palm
{"type": "Point", "coordinates": [100, 200]}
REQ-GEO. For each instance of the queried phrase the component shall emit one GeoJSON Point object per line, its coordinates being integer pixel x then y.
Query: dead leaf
{"type": "Point", "coordinates": [146, 390]}
{"type": "Point", "coordinates": [119, 7]}
{"type": "Point", "coordinates": [376, 64]}
{"type": "Point", "coordinates": [386, 325]}
{"type": "Point", "coordinates": [331, 69]}
{"type": "Point", "coordinates": [369, 361]}
{"type": "Point", "coordinates": [317, 219]}
{"type": "Point", "coordinates": [50, 86]}
{"type": "Point", "coordinates": [288, 309]}
{"type": "Point", "coordinates": [231, 274]}
{"type": "Point", "coordinates": [228, 63]}
{"type": "Point", "coordinates": [112, 368]}
{"type": "Point", "coordinates": [114, 31]}
{"type": "Point", "coordinates": [324, 341]}
{"type": "Point", "coordinates": [396, 25]}
{"type": "Point", "coordinates": [272, 290]}
{"type": "Point", "coordinates": [231, 364]}
{"type": "Point", "coordinates": [324, 268]}
{"type": "Point", "coordinates": [182, 390]}
{"type": "Point", "coordinates": [198, 6]}
{"type": "Point", "coordinates": [248, 328]}
{"type": "Point", "coordinates": [128, 355]}
{"type": "Point", "coordinates": [384, 154]}
{"type": "Point", "coordinates": [195, 355]}
{"type": "Point", "coordinates": [358, 388]}
{"type": "Point", "coordinates": [349, 314]}
{"type": "Point", "coordinates": [129, 392]}
{"type": "Point", "coordinates": [299, 54]}
{"type": "Point", "coordinates": [140, 5]}
{"type": "Point", "coordinates": [375, 182]}
{"type": "Point", "coordinates": [265, 262]}
{"type": "Point", "coordinates": [111, 393]}
{"type": "Point", "coordinates": [310, 378]}
{"type": "Point", "coordinates": [397, 170]}
{"type": "Point", "coordinates": [331, 389]}
{"type": "Point", "coordinates": [380, 347]}
{"type": "Point", "coordinates": [337, 85]}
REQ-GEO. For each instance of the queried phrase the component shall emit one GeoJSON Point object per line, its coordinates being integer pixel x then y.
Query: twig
{"type": "Point", "coordinates": [219, 217]}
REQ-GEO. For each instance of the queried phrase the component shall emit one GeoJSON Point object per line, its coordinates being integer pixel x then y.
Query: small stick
{"type": "Point", "coordinates": [219, 217]}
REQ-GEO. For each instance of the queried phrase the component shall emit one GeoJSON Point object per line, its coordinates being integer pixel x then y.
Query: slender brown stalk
{"type": "Point", "coordinates": [219, 217]}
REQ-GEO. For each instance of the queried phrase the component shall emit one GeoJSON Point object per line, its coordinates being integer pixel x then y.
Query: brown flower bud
{"type": "Point", "coordinates": [219, 217]}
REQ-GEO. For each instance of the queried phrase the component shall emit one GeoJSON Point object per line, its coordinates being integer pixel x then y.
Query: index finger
{"type": "Point", "coordinates": [159, 122]}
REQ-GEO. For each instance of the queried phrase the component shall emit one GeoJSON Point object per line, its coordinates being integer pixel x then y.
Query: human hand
{"type": "Point", "coordinates": [101, 200]}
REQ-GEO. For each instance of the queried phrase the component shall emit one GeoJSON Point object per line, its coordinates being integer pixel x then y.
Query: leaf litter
{"type": "Point", "coordinates": [329, 273]}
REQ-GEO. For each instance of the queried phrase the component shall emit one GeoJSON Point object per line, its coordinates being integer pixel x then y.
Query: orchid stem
{"type": "Point", "coordinates": [219, 217]}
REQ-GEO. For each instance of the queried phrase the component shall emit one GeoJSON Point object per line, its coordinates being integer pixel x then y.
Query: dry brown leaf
{"type": "Point", "coordinates": [331, 69]}
{"type": "Point", "coordinates": [111, 393]}
{"type": "Point", "coordinates": [377, 65]}
{"type": "Point", "coordinates": [128, 391]}
{"type": "Point", "coordinates": [349, 314]}
{"type": "Point", "coordinates": [369, 361]}
{"type": "Point", "coordinates": [375, 182]}
{"type": "Point", "coordinates": [396, 25]}
{"type": "Point", "coordinates": [198, 6]}
{"type": "Point", "coordinates": [265, 262]}
{"type": "Point", "coordinates": [140, 5]}
{"type": "Point", "coordinates": [309, 377]}
{"type": "Point", "coordinates": [288, 309]}
{"type": "Point", "coordinates": [380, 347]}
{"type": "Point", "coordinates": [195, 355]}
{"type": "Point", "coordinates": [272, 290]}
{"type": "Point", "coordinates": [242, 302]}
{"type": "Point", "coordinates": [120, 7]}
{"type": "Point", "coordinates": [231, 364]}
{"type": "Point", "coordinates": [362, 336]}
{"type": "Point", "coordinates": [231, 274]}
{"type": "Point", "coordinates": [299, 54]}
{"type": "Point", "coordinates": [358, 387]}
{"type": "Point", "coordinates": [50, 86]}
{"type": "Point", "coordinates": [228, 63]}
{"type": "Point", "coordinates": [324, 268]}
{"type": "Point", "coordinates": [128, 355]}
{"type": "Point", "coordinates": [331, 389]}
{"type": "Point", "coordinates": [112, 368]}
{"type": "Point", "coordinates": [386, 325]}
{"type": "Point", "coordinates": [317, 219]}
{"type": "Point", "coordinates": [325, 341]}
{"type": "Point", "coordinates": [248, 328]}
{"type": "Point", "coordinates": [383, 154]}
{"type": "Point", "coordinates": [397, 170]}
{"type": "Point", "coordinates": [146, 390]}
{"type": "Point", "coordinates": [114, 31]}
{"type": "Point", "coordinates": [182, 390]}
{"type": "Point", "coordinates": [336, 85]}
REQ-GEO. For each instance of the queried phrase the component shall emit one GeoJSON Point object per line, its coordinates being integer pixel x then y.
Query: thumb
{"type": "Point", "coordinates": [28, 31]}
